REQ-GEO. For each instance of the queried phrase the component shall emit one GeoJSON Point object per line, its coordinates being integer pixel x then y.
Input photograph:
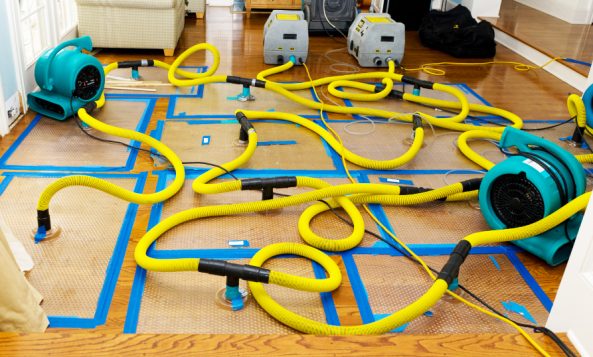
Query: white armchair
{"type": "Point", "coordinates": [132, 23]}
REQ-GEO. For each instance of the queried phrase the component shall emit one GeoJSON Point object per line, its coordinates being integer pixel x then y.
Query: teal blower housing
{"type": "Point", "coordinates": [588, 101]}
{"type": "Point", "coordinates": [535, 180]}
{"type": "Point", "coordinates": [68, 79]}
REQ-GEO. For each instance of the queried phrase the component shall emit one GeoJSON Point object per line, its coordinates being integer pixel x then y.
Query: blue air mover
{"type": "Point", "coordinates": [68, 79]}
{"type": "Point", "coordinates": [533, 182]}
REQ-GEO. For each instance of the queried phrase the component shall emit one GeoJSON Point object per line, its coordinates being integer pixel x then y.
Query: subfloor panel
{"type": "Point", "coordinates": [391, 283]}
{"type": "Point", "coordinates": [70, 270]}
{"type": "Point", "coordinates": [391, 140]}
{"type": "Point", "coordinates": [184, 302]}
{"type": "Point", "coordinates": [221, 99]}
{"type": "Point", "coordinates": [259, 229]}
{"type": "Point", "coordinates": [433, 222]}
{"type": "Point", "coordinates": [53, 144]}
{"type": "Point", "coordinates": [281, 145]}
{"type": "Point", "coordinates": [155, 82]}
{"type": "Point", "coordinates": [402, 106]}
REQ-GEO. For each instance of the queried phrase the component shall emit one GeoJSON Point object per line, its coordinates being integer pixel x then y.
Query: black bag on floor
{"type": "Point", "coordinates": [457, 33]}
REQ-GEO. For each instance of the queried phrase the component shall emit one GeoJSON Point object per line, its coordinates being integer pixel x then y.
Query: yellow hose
{"type": "Point", "coordinates": [533, 229]}
{"type": "Point", "coordinates": [107, 187]}
{"type": "Point", "coordinates": [462, 144]}
{"type": "Point", "coordinates": [334, 144]}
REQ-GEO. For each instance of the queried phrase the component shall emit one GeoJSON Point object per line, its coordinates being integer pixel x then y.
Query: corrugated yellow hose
{"type": "Point", "coordinates": [105, 186]}
{"type": "Point", "coordinates": [334, 144]}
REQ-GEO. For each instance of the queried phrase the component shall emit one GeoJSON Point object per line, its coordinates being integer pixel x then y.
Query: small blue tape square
{"type": "Point", "coordinates": [206, 140]}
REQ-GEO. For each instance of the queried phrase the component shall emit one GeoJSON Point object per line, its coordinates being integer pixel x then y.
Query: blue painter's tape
{"type": "Point", "coordinates": [398, 329]}
{"type": "Point", "coordinates": [4, 184]}
{"type": "Point", "coordinates": [129, 165]}
{"type": "Point", "coordinates": [133, 313]}
{"type": "Point", "coordinates": [115, 262]}
{"type": "Point", "coordinates": [429, 313]}
{"type": "Point", "coordinates": [517, 308]}
{"type": "Point", "coordinates": [572, 60]}
{"type": "Point", "coordinates": [528, 278]}
{"type": "Point", "coordinates": [396, 181]}
{"type": "Point", "coordinates": [276, 142]}
{"type": "Point", "coordinates": [360, 293]}
{"type": "Point", "coordinates": [206, 140]}
{"type": "Point", "coordinates": [331, 314]}
{"type": "Point", "coordinates": [494, 261]}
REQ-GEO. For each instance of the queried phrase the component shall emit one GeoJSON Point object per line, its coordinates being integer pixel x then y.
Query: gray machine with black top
{"type": "Point", "coordinates": [375, 38]}
{"type": "Point", "coordinates": [286, 34]}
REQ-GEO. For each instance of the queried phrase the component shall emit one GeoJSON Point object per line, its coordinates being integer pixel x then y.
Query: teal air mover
{"type": "Point", "coordinates": [535, 180]}
{"type": "Point", "coordinates": [68, 79]}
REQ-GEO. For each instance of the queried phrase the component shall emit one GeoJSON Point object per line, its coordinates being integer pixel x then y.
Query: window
{"type": "Point", "coordinates": [34, 29]}
{"type": "Point", "coordinates": [66, 16]}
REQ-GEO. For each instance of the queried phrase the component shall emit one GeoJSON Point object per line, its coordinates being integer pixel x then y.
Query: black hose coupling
{"type": "Point", "coordinates": [246, 82]}
{"type": "Point", "coordinates": [136, 64]}
{"type": "Point", "coordinates": [417, 82]}
{"type": "Point", "coordinates": [90, 106]}
{"type": "Point", "coordinates": [234, 271]}
{"type": "Point", "coordinates": [43, 219]}
{"type": "Point", "coordinates": [268, 184]}
{"type": "Point", "coordinates": [471, 184]}
{"type": "Point", "coordinates": [577, 135]}
{"type": "Point", "coordinates": [245, 127]}
{"type": "Point", "coordinates": [450, 271]}
{"type": "Point", "coordinates": [416, 122]}
{"type": "Point", "coordinates": [397, 94]}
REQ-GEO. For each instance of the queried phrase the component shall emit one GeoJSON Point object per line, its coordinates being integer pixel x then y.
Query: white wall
{"type": "Point", "coordinates": [572, 11]}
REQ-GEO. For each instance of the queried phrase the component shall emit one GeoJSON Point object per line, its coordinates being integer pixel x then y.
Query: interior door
{"type": "Point", "coordinates": [573, 308]}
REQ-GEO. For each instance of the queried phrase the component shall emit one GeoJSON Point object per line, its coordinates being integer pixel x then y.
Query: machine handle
{"type": "Point", "coordinates": [523, 140]}
{"type": "Point", "coordinates": [80, 43]}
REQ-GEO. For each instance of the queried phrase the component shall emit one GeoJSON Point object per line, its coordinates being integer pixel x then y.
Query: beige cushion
{"type": "Point", "coordinates": [19, 301]}
{"type": "Point", "coordinates": [135, 4]}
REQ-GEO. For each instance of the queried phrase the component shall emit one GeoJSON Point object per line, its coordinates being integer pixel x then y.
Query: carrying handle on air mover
{"type": "Point", "coordinates": [81, 43]}
{"type": "Point", "coordinates": [523, 141]}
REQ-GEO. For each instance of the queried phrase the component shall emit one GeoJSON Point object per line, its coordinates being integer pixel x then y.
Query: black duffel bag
{"type": "Point", "coordinates": [457, 33]}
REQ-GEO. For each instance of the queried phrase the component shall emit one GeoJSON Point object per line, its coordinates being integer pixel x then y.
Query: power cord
{"type": "Point", "coordinates": [538, 329]}
{"type": "Point", "coordinates": [131, 147]}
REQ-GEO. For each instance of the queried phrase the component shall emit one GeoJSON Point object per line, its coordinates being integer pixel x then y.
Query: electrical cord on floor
{"type": "Point", "coordinates": [538, 329]}
{"type": "Point", "coordinates": [132, 147]}
{"type": "Point", "coordinates": [551, 126]}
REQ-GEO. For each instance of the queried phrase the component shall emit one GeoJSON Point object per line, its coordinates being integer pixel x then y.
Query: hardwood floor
{"type": "Point", "coordinates": [532, 95]}
{"type": "Point", "coordinates": [547, 34]}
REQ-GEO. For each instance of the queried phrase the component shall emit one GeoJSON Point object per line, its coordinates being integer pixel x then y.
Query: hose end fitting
{"type": "Point", "coordinates": [246, 126]}
{"type": "Point", "coordinates": [416, 121]}
{"type": "Point", "coordinates": [450, 271]}
{"type": "Point", "coordinates": [267, 185]}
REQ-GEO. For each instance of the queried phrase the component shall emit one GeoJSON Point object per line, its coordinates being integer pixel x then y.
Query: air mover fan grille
{"type": "Point", "coordinates": [516, 201]}
{"type": "Point", "coordinates": [88, 82]}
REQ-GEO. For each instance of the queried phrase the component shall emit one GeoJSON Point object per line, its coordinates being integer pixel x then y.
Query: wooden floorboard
{"type": "Point", "coordinates": [532, 95]}
{"type": "Point", "coordinates": [546, 33]}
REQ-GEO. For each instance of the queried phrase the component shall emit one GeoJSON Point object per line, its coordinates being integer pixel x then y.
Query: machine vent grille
{"type": "Point", "coordinates": [516, 200]}
{"type": "Point", "coordinates": [88, 82]}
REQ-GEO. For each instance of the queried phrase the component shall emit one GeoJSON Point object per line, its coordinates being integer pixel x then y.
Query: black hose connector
{"type": "Point", "coordinates": [90, 107]}
{"type": "Point", "coordinates": [417, 82]}
{"type": "Point", "coordinates": [577, 135]}
{"type": "Point", "coordinates": [234, 271]}
{"type": "Point", "coordinates": [416, 121]}
{"type": "Point", "coordinates": [136, 64]}
{"type": "Point", "coordinates": [412, 190]}
{"type": "Point", "coordinates": [268, 184]}
{"type": "Point", "coordinates": [244, 121]}
{"type": "Point", "coordinates": [471, 184]}
{"type": "Point", "coordinates": [397, 94]}
{"type": "Point", "coordinates": [43, 219]}
{"type": "Point", "coordinates": [450, 271]}
{"type": "Point", "coordinates": [250, 82]}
